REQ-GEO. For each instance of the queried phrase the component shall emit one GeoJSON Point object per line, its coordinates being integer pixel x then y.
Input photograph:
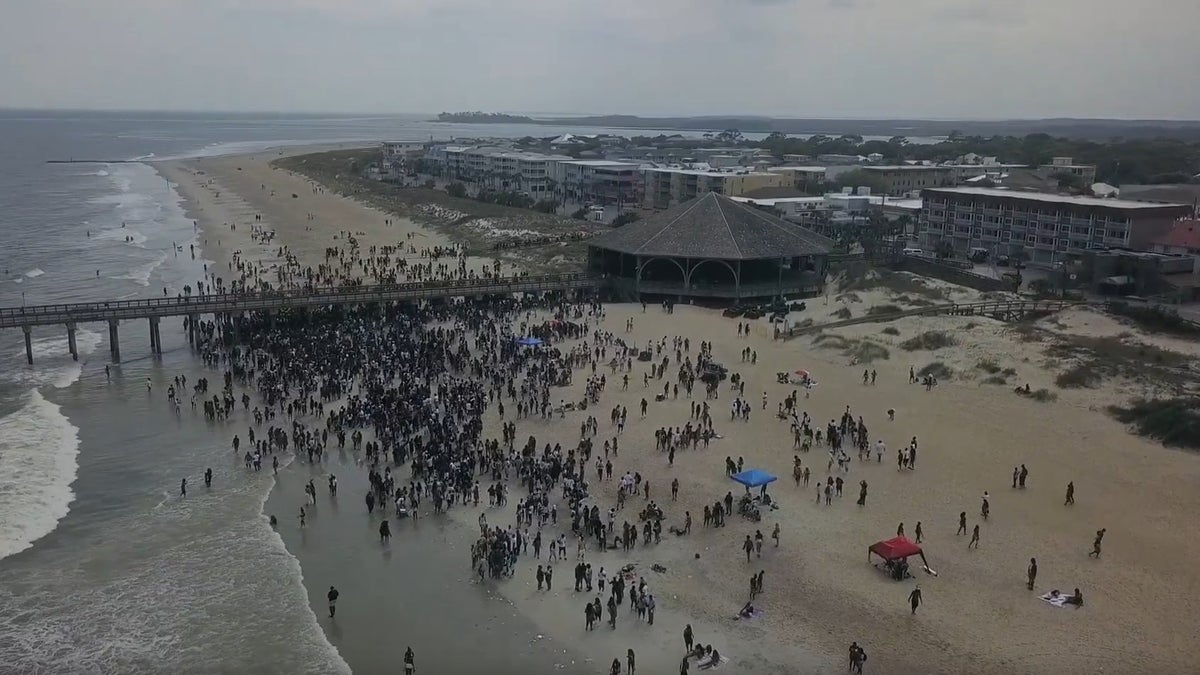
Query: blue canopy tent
{"type": "Point", "coordinates": [529, 341]}
{"type": "Point", "coordinates": [753, 478]}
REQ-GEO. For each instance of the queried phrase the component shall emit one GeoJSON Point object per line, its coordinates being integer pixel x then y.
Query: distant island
{"type": "Point", "coordinates": [484, 118]}
{"type": "Point", "coordinates": [1064, 127]}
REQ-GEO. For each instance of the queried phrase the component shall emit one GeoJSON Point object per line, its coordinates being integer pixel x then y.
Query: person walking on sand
{"type": "Point", "coordinates": [687, 637]}
{"type": "Point", "coordinates": [748, 547]}
{"type": "Point", "coordinates": [1070, 494]}
{"type": "Point", "coordinates": [629, 662]}
{"type": "Point", "coordinates": [183, 488]}
{"type": "Point", "coordinates": [858, 656]}
{"type": "Point", "coordinates": [914, 598]}
{"type": "Point", "coordinates": [917, 531]}
{"type": "Point", "coordinates": [984, 508]}
{"type": "Point", "coordinates": [1096, 544]}
{"type": "Point", "coordinates": [332, 597]}
{"type": "Point", "coordinates": [974, 543]}
{"type": "Point", "coordinates": [775, 535]}
{"type": "Point", "coordinates": [962, 523]}
{"type": "Point", "coordinates": [410, 665]}
{"type": "Point", "coordinates": [1032, 572]}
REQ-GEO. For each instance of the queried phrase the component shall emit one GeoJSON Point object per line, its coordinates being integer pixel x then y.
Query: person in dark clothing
{"type": "Point", "coordinates": [332, 596]}
{"type": "Point", "coordinates": [914, 599]}
{"type": "Point", "coordinates": [1070, 494]}
{"type": "Point", "coordinates": [1032, 572]}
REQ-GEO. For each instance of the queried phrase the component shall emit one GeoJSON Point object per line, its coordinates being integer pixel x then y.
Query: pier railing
{"type": "Point", "coordinates": [117, 310]}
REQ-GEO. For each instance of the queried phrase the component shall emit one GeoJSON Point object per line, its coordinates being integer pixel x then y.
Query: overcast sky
{"type": "Point", "coordinates": [797, 58]}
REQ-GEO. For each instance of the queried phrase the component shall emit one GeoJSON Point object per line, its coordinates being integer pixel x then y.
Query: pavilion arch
{"type": "Point", "coordinates": [659, 264]}
{"type": "Point", "coordinates": [733, 273]}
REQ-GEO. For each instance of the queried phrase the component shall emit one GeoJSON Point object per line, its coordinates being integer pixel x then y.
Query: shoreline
{"type": "Point", "coordinates": [820, 596]}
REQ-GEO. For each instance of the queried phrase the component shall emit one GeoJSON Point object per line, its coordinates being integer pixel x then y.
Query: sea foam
{"type": "Point", "coordinates": [38, 451]}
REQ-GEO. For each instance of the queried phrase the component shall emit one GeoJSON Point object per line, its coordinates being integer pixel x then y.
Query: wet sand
{"type": "Point", "coordinates": [821, 593]}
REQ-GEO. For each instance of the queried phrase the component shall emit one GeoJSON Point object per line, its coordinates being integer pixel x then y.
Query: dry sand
{"type": "Point", "coordinates": [1141, 596]}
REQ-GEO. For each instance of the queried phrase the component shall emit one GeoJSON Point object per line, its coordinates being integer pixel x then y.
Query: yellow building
{"type": "Point", "coordinates": [667, 187]}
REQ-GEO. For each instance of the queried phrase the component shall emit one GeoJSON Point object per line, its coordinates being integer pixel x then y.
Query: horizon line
{"type": "Point", "coordinates": [566, 115]}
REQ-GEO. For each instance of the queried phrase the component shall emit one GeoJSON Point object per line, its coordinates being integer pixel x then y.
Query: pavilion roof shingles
{"type": "Point", "coordinates": [714, 226]}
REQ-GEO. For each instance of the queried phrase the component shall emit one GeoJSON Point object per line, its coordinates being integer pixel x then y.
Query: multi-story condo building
{"type": "Point", "coordinates": [669, 186]}
{"type": "Point", "coordinates": [597, 181]}
{"type": "Point", "coordinates": [497, 168]}
{"type": "Point", "coordinates": [805, 178]}
{"type": "Point", "coordinates": [1086, 172]}
{"type": "Point", "coordinates": [903, 178]}
{"type": "Point", "coordinates": [1047, 227]}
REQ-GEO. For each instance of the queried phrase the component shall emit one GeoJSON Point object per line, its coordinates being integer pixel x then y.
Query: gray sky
{"type": "Point", "coordinates": [797, 58]}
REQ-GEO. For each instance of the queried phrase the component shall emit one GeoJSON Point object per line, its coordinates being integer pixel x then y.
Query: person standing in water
{"type": "Point", "coordinates": [183, 488]}
{"type": "Point", "coordinates": [332, 596]}
{"type": "Point", "coordinates": [410, 665]}
{"type": "Point", "coordinates": [208, 477]}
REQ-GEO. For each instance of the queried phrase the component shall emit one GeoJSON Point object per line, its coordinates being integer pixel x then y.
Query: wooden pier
{"type": "Point", "coordinates": [230, 304]}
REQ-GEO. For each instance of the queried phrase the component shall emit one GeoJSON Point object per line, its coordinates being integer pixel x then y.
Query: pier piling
{"type": "Point", "coordinates": [28, 344]}
{"type": "Point", "coordinates": [71, 342]}
{"type": "Point", "coordinates": [114, 343]}
{"type": "Point", "coordinates": [155, 336]}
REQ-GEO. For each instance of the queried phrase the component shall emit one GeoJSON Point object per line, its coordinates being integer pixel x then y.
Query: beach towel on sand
{"type": "Point", "coordinates": [1060, 601]}
{"type": "Point", "coordinates": [753, 615]}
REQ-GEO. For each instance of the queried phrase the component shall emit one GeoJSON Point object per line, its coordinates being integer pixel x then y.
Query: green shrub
{"type": "Point", "coordinates": [1044, 396]}
{"type": "Point", "coordinates": [928, 341]}
{"type": "Point", "coordinates": [988, 366]}
{"type": "Point", "coordinates": [937, 369]}
{"type": "Point", "coordinates": [867, 352]}
{"type": "Point", "coordinates": [1079, 377]}
{"type": "Point", "coordinates": [891, 330]}
{"type": "Point", "coordinates": [1173, 422]}
{"type": "Point", "coordinates": [876, 310]}
{"type": "Point", "coordinates": [843, 313]}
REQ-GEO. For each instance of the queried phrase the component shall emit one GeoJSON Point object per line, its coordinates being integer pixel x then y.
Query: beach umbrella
{"type": "Point", "coordinates": [529, 342]}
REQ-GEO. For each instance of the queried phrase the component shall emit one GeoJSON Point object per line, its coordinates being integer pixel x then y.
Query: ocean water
{"type": "Point", "coordinates": [103, 568]}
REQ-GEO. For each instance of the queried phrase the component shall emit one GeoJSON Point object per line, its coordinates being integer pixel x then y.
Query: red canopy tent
{"type": "Point", "coordinates": [896, 548]}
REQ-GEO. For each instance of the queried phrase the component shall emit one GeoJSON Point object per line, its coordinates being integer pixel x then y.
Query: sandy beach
{"type": "Point", "coordinates": [820, 591]}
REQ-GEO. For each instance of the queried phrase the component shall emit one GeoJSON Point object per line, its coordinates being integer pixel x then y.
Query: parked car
{"type": "Point", "coordinates": [1002, 261]}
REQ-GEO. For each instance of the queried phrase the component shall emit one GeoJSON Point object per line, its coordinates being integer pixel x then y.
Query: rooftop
{"type": "Point", "coordinates": [711, 172]}
{"type": "Point", "coordinates": [772, 201]}
{"type": "Point", "coordinates": [602, 162]}
{"type": "Point", "coordinates": [715, 227]}
{"type": "Point", "coordinates": [799, 168]}
{"type": "Point", "coordinates": [907, 167]}
{"type": "Point", "coordinates": [1052, 198]}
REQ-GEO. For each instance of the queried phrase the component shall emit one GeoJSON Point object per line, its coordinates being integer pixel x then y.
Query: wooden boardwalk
{"type": "Point", "coordinates": [153, 309]}
{"type": "Point", "coordinates": [1003, 310]}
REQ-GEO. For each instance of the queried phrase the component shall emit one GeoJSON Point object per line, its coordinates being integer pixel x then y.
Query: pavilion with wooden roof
{"type": "Point", "coordinates": [715, 247]}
